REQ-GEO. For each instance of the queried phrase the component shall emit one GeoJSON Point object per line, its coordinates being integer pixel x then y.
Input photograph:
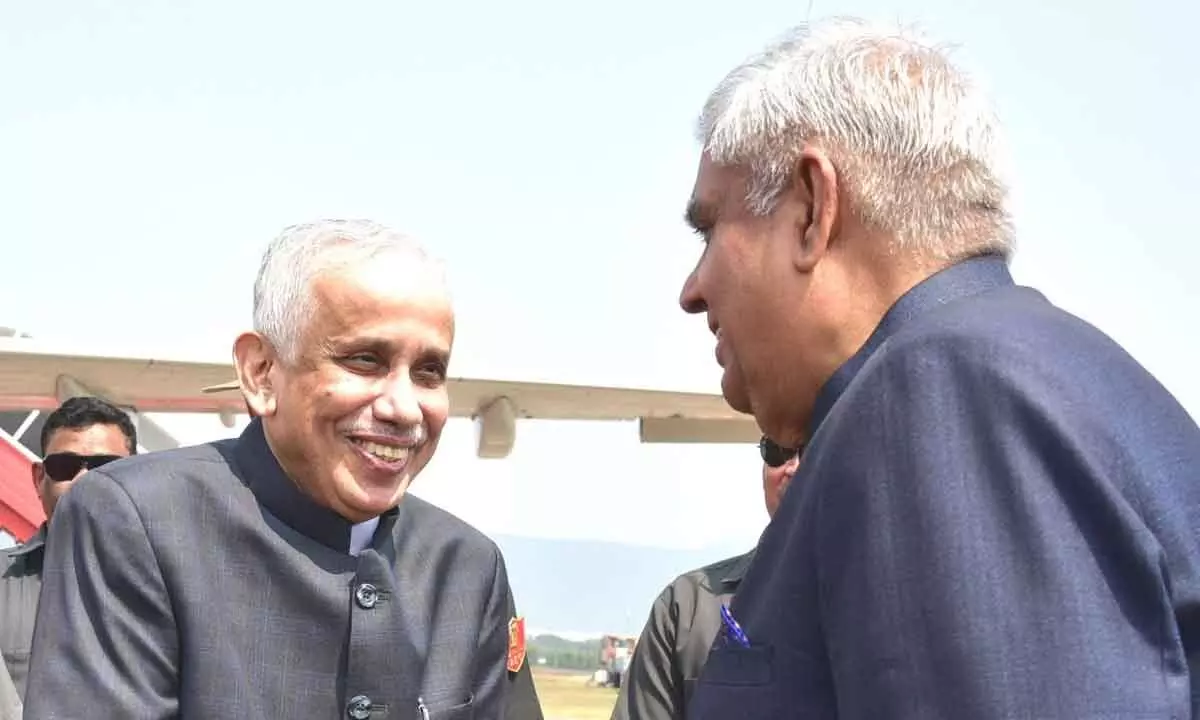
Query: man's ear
{"type": "Point", "coordinates": [254, 357]}
{"type": "Point", "coordinates": [38, 473]}
{"type": "Point", "coordinates": [789, 472]}
{"type": "Point", "coordinates": [815, 183]}
{"type": "Point", "coordinates": [792, 464]}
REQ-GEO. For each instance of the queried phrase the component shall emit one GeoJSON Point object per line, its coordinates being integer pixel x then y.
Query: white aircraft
{"type": "Point", "coordinates": [38, 376]}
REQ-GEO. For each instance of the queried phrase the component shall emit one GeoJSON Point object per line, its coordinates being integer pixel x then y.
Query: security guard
{"type": "Point", "coordinates": [687, 615]}
{"type": "Point", "coordinates": [10, 698]}
{"type": "Point", "coordinates": [81, 434]}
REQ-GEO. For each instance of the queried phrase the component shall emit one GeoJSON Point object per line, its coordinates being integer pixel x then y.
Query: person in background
{"type": "Point", "coordinates": [11, 707]}
{"type": "Point", "coordinates": [81, 434]}
{"type": "Point", "coordinates": [686, 616]}
{"type": "Point", "coordinates": [287, 573]}
{"type": "Point", "coordinates": [998, 517]}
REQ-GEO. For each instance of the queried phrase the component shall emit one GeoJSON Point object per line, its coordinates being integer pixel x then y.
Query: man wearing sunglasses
{"type": "Point", "coordinates": [686, 616]}
{"type": "Point", "coordinates": [81, 434]}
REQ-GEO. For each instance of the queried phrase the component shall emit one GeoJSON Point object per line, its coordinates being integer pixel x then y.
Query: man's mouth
{"type": "Point", "coordinates": [386, 453]}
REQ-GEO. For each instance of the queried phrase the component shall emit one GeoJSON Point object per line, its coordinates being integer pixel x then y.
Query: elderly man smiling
{"type": "Point", "coordinates": [998, 517]}
{"type": "Point", "coordinates": [286, 574]}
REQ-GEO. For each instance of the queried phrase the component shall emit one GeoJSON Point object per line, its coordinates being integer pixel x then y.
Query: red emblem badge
{"type": "Point", "coordinates": [516, 644]}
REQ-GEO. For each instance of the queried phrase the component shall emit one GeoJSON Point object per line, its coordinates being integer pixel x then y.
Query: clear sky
{"type": "Point", "coordinates": [149, 150]}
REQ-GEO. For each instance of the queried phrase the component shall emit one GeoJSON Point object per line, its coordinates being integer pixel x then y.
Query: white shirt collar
{"type": "Point", "coordinates": [362, 534]}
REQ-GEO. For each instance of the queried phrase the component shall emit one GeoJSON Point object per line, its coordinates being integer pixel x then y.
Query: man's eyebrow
{"type": "Point", "coordinates": [698, 215]}
{"type": "Point", "coordinates": [369, 342]}
{"type": "Point", "coordinates": [384, 346]}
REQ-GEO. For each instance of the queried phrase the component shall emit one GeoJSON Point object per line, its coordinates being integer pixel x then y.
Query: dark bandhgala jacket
{"type": "Point", "coordinates": [999, 519]}
{"type": "Point", "coordinates": [201, 583]}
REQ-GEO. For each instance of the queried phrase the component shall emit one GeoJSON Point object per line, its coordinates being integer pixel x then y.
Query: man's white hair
{"type": "Point", "coordinates": [916, 145]}
{"type": "Point", "coordinates": [297, 256]}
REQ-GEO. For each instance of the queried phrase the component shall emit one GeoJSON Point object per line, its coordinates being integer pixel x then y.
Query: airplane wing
{"type": "Point", "coordinates": [38, 376]}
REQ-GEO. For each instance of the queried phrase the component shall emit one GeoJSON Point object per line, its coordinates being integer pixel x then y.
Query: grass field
{"type": "Point", "coordinates": [566, 696]}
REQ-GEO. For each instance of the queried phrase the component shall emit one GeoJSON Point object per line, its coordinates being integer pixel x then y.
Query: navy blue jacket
{"type": "Point", "coordinates": [998, 517]}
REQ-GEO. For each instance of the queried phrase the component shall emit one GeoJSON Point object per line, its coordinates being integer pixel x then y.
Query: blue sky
{"type": "Point", "coordinates": [149, 150]}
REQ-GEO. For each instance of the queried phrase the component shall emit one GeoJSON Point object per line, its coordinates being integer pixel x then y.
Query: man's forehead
{"type": "Point", "coordinates": [382, 311]}
{"type": "Point", "coordinates": [706, 187]}
{"type": "Point", "coordinates": [97, 437]}
{"type": "Point", "coordinates": [382, 283]}
{"type": "Point", "coordinates": [714, 185]}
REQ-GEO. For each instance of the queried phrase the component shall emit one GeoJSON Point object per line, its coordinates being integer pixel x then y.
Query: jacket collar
{"type": "Point", "coordinates": [34, 544]}
{"type": "Point", "coordinates": [733, 576]}
{"type": "Point", "coordinates": [964, 279]}
{"type": "Point", "coordinates": [257, 466]}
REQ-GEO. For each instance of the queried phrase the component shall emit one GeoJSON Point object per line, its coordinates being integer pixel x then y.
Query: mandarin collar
{"type": "Point", "coordinates": [262, 473]}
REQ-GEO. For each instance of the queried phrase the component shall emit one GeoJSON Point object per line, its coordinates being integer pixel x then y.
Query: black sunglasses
{"type": "Point", "coordinates": [774, 454]}
{"type": "Point", "coordinates": [64, 466]}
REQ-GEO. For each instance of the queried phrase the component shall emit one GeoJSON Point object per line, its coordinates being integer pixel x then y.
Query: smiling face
{"type": "Point", "coordinates": [359, 411]}
{"type": "Point", "coordinates": [744, 283]}
{"type": "Point", "coordinates": [769, 290]}
{"type": "Point", "coordinates": [718, 285]}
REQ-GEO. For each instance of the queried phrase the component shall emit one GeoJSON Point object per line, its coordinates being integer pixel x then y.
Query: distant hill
{"type": "Point", "coordinates": [555, 652]}
{"type": "Point", "coordinates": [579, 589]}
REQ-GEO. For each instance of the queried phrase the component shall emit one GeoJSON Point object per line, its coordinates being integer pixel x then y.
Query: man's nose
{"type": "Point", "coordinates": [399, 402]}
{"type": "Point", "coordinates": [690, 298]}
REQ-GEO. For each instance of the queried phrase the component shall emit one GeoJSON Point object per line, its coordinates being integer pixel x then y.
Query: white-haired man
{"type": "Point", "coordinates": [998, 518]}
{"type": "Point", "coordinates": [286, 574]}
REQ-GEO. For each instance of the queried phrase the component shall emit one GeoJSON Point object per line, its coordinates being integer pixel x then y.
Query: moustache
{"type": "Point", "coordinates": [391, 435]}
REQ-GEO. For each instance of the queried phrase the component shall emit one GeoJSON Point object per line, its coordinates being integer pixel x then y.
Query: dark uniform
{"type": "Point", "coordinates": [673, 646]}
{"type": "Point", "coordinates": [20, 583]}
{"type": "Point", "coordinates": [523, 703]}
{"type": "Point", "coordinates": [10, 701]}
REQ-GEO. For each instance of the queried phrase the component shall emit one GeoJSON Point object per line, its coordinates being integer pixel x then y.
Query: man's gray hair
{"type": "Point", "coordinates": [916, 145]}
{"type": "Point", "coordinates": [297, 256]}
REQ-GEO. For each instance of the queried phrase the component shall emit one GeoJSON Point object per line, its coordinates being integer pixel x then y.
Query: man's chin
{"type": "Point", "coordinates": [367, 492]}
{"type": "Point", "coordinates": [363, 502]}
{"type": "Point", "coordinates": [735, 394]}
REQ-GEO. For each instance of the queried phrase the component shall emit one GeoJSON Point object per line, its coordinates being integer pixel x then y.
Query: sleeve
{"type": "Point", "coordinates": [104, 643]}
{"type": "Point", "coordinates": [974, 562]}
{"type": "Point", "coordinates": [493, 688]}
{"type": "Point", "coordinates": [653, 688]}
{"type": "Point", "coordinates": [523, 703]}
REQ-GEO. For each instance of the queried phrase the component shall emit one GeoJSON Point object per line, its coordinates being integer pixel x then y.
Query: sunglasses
{"type": "Point", "coordinates": [61, 467]}
{"type": "Point", "coordinates": [773, 454]}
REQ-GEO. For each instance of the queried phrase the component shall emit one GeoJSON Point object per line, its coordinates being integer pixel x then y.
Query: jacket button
{"type": "Point", "coordinates": [359, 707]}
{"type": "Point", "coordinates": [366, 595]}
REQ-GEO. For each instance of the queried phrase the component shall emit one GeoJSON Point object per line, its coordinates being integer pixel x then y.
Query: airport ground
{"type": "Point", "coordinates": [567, 695]}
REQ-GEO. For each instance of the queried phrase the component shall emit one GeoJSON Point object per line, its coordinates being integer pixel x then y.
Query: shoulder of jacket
{"type": "Point", "coordinates": [444, 523]}
{"type": "Point", "coordinates": [711, 578]}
